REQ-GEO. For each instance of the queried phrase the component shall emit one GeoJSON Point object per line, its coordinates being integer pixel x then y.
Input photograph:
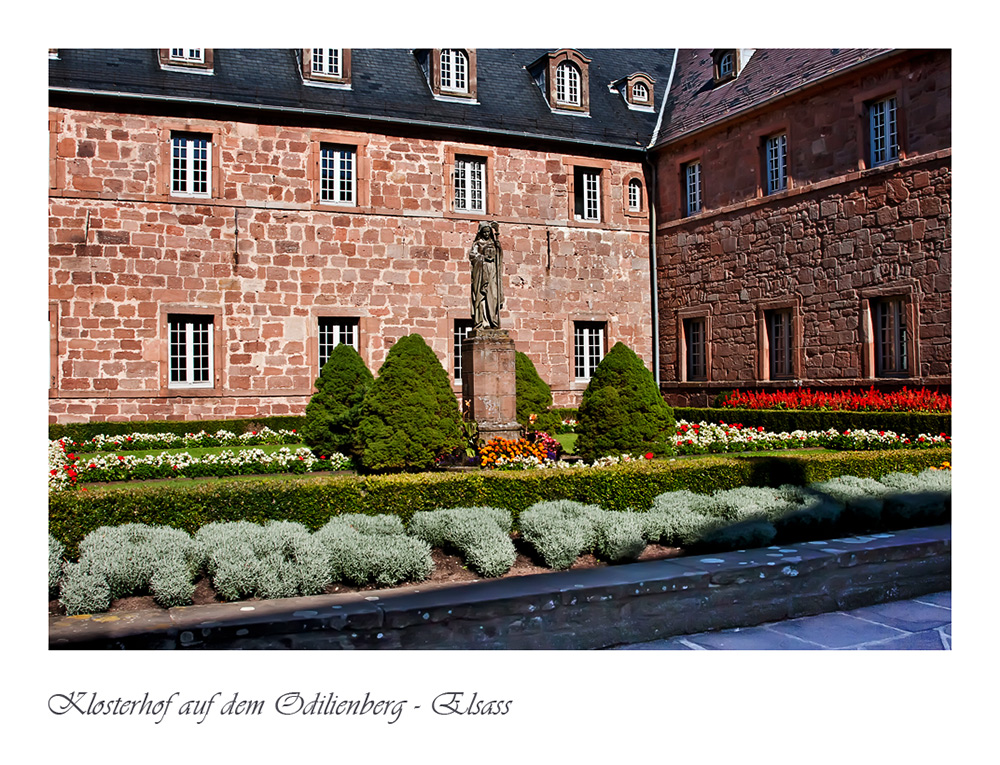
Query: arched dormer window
{"type": "Point", "coordinates": [568, 84]}
{"type": "Point", "coordinates": [450, 72]}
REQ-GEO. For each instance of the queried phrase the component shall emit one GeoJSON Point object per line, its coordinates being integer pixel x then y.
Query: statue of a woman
{"type": "Point", "coordinates": [486, 258]}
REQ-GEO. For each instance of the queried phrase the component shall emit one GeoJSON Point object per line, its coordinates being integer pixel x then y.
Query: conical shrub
{"type": "Point", "coordinates": [622, 412]}
{"type": "Point", "coordinates": [534, 396]}
{"type": "Point", "coordinates": [409, 416]}
{"type": "Point", "coordinates": [333, 411]}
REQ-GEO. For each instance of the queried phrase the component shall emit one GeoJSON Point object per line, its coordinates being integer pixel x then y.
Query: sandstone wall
{"type": "Point", "coordinates": [266, 261]}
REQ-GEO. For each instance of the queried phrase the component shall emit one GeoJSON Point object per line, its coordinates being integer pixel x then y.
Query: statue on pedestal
{"type": "Point", "coordinates": [486, 258]}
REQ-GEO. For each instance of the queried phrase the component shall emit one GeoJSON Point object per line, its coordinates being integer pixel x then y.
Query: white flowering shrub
{"type": "Point", "coordinates": [480, 534]}
{"type": "Point", "coordinates": [365, 549]}
{"type": "Point", "coordinates": [277, 560]}
{"type": "Point", "coordinates": [130, 559]}
{"type": "Point", "coordinates": [56, 552]}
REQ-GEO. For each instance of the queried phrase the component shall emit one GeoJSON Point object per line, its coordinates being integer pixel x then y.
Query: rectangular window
{"type": "Point", "coordinates": [190, 351]}
{"type": "Point", "coordinates": [470, 184]}
{"type": "Point", "coordinates": [190, 164]}
{"type": "Point", "coordinates": [189, 55]}
{"type": "Point", "coordinates": [588, 348]}
{"type": "Point", "coordinates": [695, 347]}
{"type": "Point", "coordinates": [634, 195]}
{"type": "Point", "coordinates": [587, 193]}
{"type": "Point", "coordinates": [779, 341]}
{"type": "Point", "coordinates": [882, 131]}
{"type": "Point", "coordinates": [777, 163]}
{"type": "Point", "coordinates": [692, 188]}
{"type": "Point", "coordinates": [461, 331]}
{"type": "Point", "coordinates": [326, 61]}
{"type": "Point", "coordinates": [332, 332]}
{"type": "Point", "coordinates": [889, 317]}
{"type": "Point", "coordinates": [338, 174]}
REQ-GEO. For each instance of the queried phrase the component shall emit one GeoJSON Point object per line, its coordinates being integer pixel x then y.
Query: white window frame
{"type": "Point", "coordinates": [328, 62]}
{"type": "Point", "coordinates": [883, 133]}
{"type": "Point", "coordinates": [338, 174]}
{"type": "Point", "coordinates": [454, 70]}
{"type": "Point", "coordinates": [191, 352]}
{"type": "Point", "coordinates": [776, 153]}
{"type": "Point", "coordinates": [568, 84]}
{"type": "Point", "coordinates": [587, 191]}
{"type": "Point", "coordinates": [190, 165]}
{"type": "Point", "coordinates": [692, 188]}
{"type": "Point", "coordinates": [336, 330]}
{"type": "Point", "coordinates": [640, 92]}
{"type": "Point", "coordinates": [634, 195]}
{"type": "Point", "coordinates": [460, 330]}
{"type": "Point", "coordinates": [188, 55]}
{"type": "Point", "coordinates": [588, 348]}
{"type": "Point", "coordinates": [470, 184]}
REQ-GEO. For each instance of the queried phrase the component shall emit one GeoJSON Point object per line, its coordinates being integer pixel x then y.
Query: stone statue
{"type": "Point", "coordinates": [486, 257]}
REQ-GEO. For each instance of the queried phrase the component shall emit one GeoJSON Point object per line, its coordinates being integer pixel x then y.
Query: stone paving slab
{"type": "Point", "coordinates": [917, 624]}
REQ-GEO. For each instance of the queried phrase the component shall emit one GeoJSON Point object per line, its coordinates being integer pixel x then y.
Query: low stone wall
{"type": "Point", "coordinates": [590, 608]}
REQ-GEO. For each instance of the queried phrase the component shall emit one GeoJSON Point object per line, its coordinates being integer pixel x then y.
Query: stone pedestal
{"type": "Point", "coordinates": [489, 384]}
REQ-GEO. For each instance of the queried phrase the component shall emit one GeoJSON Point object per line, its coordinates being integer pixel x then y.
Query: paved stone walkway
{"type": "Point", "coordinates": [920, 624]}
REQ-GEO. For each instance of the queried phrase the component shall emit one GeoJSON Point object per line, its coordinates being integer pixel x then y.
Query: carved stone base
{"type": "Point", "coordinates": [489, 384]}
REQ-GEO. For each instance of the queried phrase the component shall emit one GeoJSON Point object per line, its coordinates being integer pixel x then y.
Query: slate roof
{"type": "Point", "coordinates": [386, 84]}
{"type": "Point", "coordinates": [694, 102]}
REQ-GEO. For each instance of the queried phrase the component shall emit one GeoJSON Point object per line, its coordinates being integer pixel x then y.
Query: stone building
{"type": "Point", "coordinates": [220, 219]}
{"type": "Point", "coordinates": [803, 221]}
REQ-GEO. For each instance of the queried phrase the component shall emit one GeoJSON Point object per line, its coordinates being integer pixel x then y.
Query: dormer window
{"type": "Point", "coordinates": [727, 63]}
{"type": "Point", "coordinates": [454, 71]}
{"type": "Point", "coordinates": [327, 66]}
{"type": "Point", "coordinates": [195, 60]}
{"type": "Point", "coordinates": [567, 85]}
{"type": "Point", "coordinates": [563, 79]}
{"type": "Point", "coordinates": [450, 72]}
{"type": "Point", "coordinates": [636, 89]}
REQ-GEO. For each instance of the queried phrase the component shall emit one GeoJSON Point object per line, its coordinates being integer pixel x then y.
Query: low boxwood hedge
{"type": "Point", "coordinates": [313, 500]}
{"type": "Point", "coordinates": [787, 420]}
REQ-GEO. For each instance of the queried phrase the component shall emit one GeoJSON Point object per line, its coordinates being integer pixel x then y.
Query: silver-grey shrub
{"type": "Point", "coordinates": [560, 531]}
{"type": "Point", "coordinates": [480, 534]}
{"type": "Point", "coordinates": [679, 518]}
{"type": "Point", "coordinates": [133, 558]}
{"type": "Point", "coordinates": [619, 536]}
{"type": "Point", "coordinates": [921, 498]}
{"type": "Point", "coordinates": [277, 560]}
{"type": "Point", "coordinates": [56, 552]}
{"type": "Point", "coordinates": [373, 549]}
{"type": "Point", "coordinates": [863, 498]}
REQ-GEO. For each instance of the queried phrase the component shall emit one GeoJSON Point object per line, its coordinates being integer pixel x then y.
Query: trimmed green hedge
{"type": "Point", "coordinates": [787, 420]}
{"type": "Point", "coordinates": [83, 431]}
{"type": "Point", "coordinates": [313, 500]}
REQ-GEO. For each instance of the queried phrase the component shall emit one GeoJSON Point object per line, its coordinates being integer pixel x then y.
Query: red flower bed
{"type": "Point", "coordinates": [921, 400]}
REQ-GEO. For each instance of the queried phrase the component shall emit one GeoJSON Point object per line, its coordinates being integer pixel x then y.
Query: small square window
{"type": "Point", "coordinates": [332, 332]}
{"type": "Point", "coordinates": [587, 193]}
{"type": "Point", "coordinates": [588, 348]}
{"type": "Point", "coordinates": [190, 340]}
{"type": "Point", "coordinates": [461, 331]}
{"type": "Point", "coordinates": [190, 164]}
{"type": "Point", "coordinates": [327, 62]}
{"type": "Point", "coordinates": [338, 174]}
{"type": "Point", "coordinates": [470, 184]}
{"type": "Point", "coordinates": [883, 135]}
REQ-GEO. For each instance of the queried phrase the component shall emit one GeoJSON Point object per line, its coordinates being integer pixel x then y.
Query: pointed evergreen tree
{"type": "Point", "coordinates": [622, 412]}
{"type": "Point", "coordinates": [534, 396]}
{"type": "Point", "coordinates": [333, 411]}
{"type": "Point", "coordinates": [409, 416]}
